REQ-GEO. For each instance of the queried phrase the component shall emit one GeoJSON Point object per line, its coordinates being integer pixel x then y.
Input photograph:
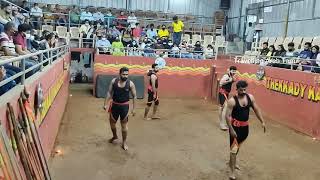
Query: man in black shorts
{"type": "Point", "coordinates": [152, 93]}
{"type": "Point", "coordinates": [119, 90]}
{"type": "Point", "coordinates": [224, 90]}
{"type": "Point", "coordinates": [237, 116]}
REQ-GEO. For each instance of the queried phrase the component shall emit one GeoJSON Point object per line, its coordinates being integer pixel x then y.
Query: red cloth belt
{"type": "Point", "coordinates": [238, 123]}
{"type": "Point", "coordinates": [121, 104]}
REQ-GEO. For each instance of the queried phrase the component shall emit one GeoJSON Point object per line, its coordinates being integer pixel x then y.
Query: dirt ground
{"type": "Point", "coordinates": [186, 144]}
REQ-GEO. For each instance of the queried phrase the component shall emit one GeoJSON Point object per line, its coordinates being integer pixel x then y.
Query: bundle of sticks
{"type": "Point", "coordinates": [26, 141]}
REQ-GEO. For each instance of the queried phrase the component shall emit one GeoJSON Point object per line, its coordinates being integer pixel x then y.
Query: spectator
{"type": "Point", "coordinates": [177, 30]}
{"type": "Point", "coordinates": [163, 32]}
{"type": "Point", "coordinates": [32, 41]}
{"type": "Point", "coordinates": [175, 51]}
{"type": "Point", "coordinates": [160, 61]}
{"type": "Point", "coordinates": [184, 50]}
{"type": "Point", "coordinates": [87, 32]}
{"type": "Point", "coordinates": [86, 15]}
{"type": "Point", "coordinates": [133, 48]}
{"type": "Point", "coordinates": [122, 21]}
{"type": "Point", "coordinates": [208, 53]}
{"type": "Point", "coordinates": [114, 32]}
{"type": "Point", "coordinates": [84, 28]}
{"type": "Point", "coordinates": [291, 51]}
{"type": "Point", "coordinates": [265, 49]}
{"type": "Point", "coordinates": [159, 44]}
{"type": "Point", "coordinates": [5, 16]}
{"type": "Point", "coordinates": [48, 16]}
{"type": "Point", "coordinates": [3, 76]}
{"type": "Point", "coordinates": [126, 37]}
{"type": "Point", "coordinates": [164, 41]}
{"type": "Point", "coordinates": [36, 16]}
{"type": "Point", "coordinates": [169, 45]}
{"type": "Point", "coordinates": [103, 44]}
{"type": "Point", "coordinates": [74, 15]}
{"type": "Point", "coordinates": [271, 51]}
{"type": "Point", "coordinates": [136, 32]}
{"type": "Point", "coordinates": [109, 18]}
{"type": "Point", "coordinates": [198, 51]}
{"type": "Point", "coordinates": [151, 33]}
{"type": "Point", "coordinates": [98, 16]}
{"type": "Point", "coordinates": [61, 18]}
{"type": "Point", "coordinates": [100, 29]}
{"type": "Point", "coordinates": [306, 53]}
{"type": "Point", "coordinates": [25, 9]}
{"type": "Point", "coordinates": [117, 47]}
{"type": "Point", "coordinates": [17, 18]}
{"type": "Point", "coordinates": [249, 36]}
{"type": "Point", "coordinates": [132, 20]}
{"type": "Point", "coordinates": [281, 52]}
{"type": "Point", "coordinates": [148, 49]}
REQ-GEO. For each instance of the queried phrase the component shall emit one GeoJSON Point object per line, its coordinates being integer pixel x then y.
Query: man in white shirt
{"type": "Point", "coordinates": [249, 36]}
{"type": "Point", "coordinates": [86, 15]}
{"type": "Point", "coordinates": [132, 20]}
{"type": "Point", "coordinates": [103, 44]}
{"type": "Point", "coordinates": [98, 16]}
{"type": "Point", "coordinates": [36, 15]}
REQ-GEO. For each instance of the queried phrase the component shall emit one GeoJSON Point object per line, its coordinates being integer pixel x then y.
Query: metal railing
{"type": "Point", "coordinates": [53, 54]}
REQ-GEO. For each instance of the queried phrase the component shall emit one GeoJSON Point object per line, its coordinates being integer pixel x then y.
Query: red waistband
{"type": "Point", "coordinates": [223, 91]}
{"type": "Point", "coordinates": [238, 123]}
{"type": "Point", "coordinates": [124, 103]}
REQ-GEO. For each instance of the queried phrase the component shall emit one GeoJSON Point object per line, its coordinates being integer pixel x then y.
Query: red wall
{"type": "Point", "coordinates": [298, 113]}
{"type": "Point", "coordinates": [182, 78]}
{"type": "Point", "coordinates": [48, 78]}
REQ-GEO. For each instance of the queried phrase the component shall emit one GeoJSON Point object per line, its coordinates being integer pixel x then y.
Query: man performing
{"type": "Point", "coordinates": [119, 90]}
{"type": "Point", "coordinates": [152, 93]}
{"type": "Point", "coordinates": [225, 88]}
{"type": "Point", "coordinates": [237, 116]}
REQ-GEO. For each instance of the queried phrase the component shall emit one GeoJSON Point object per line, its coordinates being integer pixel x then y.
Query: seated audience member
{"type": "Point", "coordinates": [74, 15]}
{"type": "Point", "coordinates": [291, 51]}
{"type": "Point", "coordinates": [184, 50]}
{"type": "Point", "coordinates": [151, 32]}
{"type": "Point", "coordinates": [306, 53]}
{"type": "Point", "coordinates": [109, 19]}
{"type": "Point", "coordinates": [5, 16]}
{"type": "Point", "coordinates": [114, 32]}
{"type": "Point", "coordinates": [313, 60]}
{"type": "Point", "coordinates": [126, 37]}
{"type": "Point", "coordinates": [87, 31]}
{"type": "Point", "coordinates": [133, 48]}
{"type": "Point", "coordinates": [265, 49]}
{"type": "Point", "coordinates": [17, 18]}
{"type": "Point", "coordinates": [160, 61]}
{"type": "Point", "coordinates": [86, 15]}
{"type": "Point", "coordinates": [20, 40]}
{"type": "Point", "coordinates": [98, 17]}
{"type": "Point", "coordinates": [49, 41]}
{"type": "Point", "coordinates": [174, 52]}
{"type": "Point", "coordinates": [208, 52]}
{"type": "Point", "coordinates": [136, 32]}
{"type": "Point", "coordinates": [60, 17]}
{"type": "Point", "coordinates": [8, 47]}
{"type": "Point", "coordinates": [149, 49]}
{"type": "Point", "coordinates": [169, 45]}
{"type": "Point", "coordinates": [198, 51]}
{"type": "Point", "coordinates": [122, 21]}
{"type": "Point", "coordinates": [3, 76]}
{"type": "Point", "coordinates": [103, 44]}
{"type": "Point", "coordinates": [281, 52]}
{"type": "Point", "coordinates": [132, 20]}
{"type": "Point", "coordinates": [36, 16]}
{"type": "Point", "coordinates": [25, 7]}
{"type": "Point", "coordinates": [100, 29]}
{"type": "Point", "coordinates": [163, 32]}
{"type": "Point", "coordinates": [33, 39]}
{"type": "Point", "coordinates": [271, 52]}
{"type": "Point", "coordinates": [159, 44]}
{"type": "Point", "coordinates": [117, 47]}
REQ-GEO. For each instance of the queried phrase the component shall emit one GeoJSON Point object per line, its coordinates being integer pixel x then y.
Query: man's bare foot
{"type": "Point", "coordinates": [155, 117]}
{"type": "Point", "coordinates": [125, 146]}
{"type": "Point", "coordinates": [113, 139]}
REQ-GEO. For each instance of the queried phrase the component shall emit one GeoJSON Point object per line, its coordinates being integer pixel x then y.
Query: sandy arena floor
{"type": "Point", "coordinates": [185, 144]}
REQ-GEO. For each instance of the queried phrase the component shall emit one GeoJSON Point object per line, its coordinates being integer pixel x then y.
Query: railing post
{"type": "Point", "coordinates": [23, 65]}
{"type": "Point", "coordinates": [41, 61]}
{"type": "Point", "coordinates": [50, 57]}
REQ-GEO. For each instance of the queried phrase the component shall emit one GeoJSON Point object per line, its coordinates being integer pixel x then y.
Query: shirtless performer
{"type": "Point", "coordinates": [237, 116]}
{"type": "Point", "coordinates": [119, 90]}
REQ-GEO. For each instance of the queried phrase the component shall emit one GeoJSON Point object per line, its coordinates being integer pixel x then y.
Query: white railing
{"type": "Point", "coordinates": [53, 53]}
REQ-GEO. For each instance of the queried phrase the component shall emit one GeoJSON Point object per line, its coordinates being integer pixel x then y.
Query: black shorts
{"type": "Point", "coordinates": [222, 98]}
{"type": "Point", "coordinates": [152, 99]}
{"type": "Point", "coordinates": [120, 111]}
{"type": "Point", "coordinates": [242, 134]}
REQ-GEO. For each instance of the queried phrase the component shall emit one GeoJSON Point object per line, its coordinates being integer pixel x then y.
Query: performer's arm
{"type": "Point", "coordinates": [153, 81]}
{"type": "Point", "coordinates": [230, 104]}
{"type": "Point", "coordinates": [257, 111]}
{"type": "Point", "coordinates": [134, 94]}
{"type": "Point", "coordinates": [109, 93]}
